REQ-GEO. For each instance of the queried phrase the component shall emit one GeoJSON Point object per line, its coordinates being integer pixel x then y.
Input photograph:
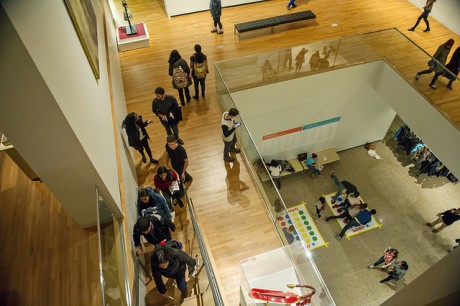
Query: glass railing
{"type": "Point", "coordinates": [203, 288]}
{"type": "Point", "coordinates": [266, 68]}
{"type": "Point", "coordinates": [112, 257]}
{"type": "Point", "coordinates": [390, 45]}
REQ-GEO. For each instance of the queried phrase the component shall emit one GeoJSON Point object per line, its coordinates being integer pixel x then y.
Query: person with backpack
{"type": "Point", "coordinates": [165, 107]}
{"type": "Point", "coordinates": [180, 72]}
{"type": "Point", "coordinates": [153, 230]}
{"type": "Point", "coordinates": [215, 6]}
{"type": "Point", "coordinates": [169, 261]}
{"type": "Point", "coordinates": [362, 218]}
{"type": "Point", "coordinates": [199, 67]}
{"type": "Point", "coordinates": [148, 198]}
{"type": "Point", "coordinates": [137, 135]}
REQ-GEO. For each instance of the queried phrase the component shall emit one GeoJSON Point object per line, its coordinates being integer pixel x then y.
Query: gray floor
{"type": "Point", "coordinates": [404, 203]}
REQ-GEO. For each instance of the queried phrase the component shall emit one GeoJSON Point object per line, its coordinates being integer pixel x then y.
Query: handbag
{"type": "Point", "coordinates": [174, 187]}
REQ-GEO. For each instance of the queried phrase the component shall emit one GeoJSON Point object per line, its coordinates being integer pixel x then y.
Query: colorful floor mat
{"type": "Point", "coordinates": [299, 216]}
{"type": "Point", "coordinates": [342, 222]}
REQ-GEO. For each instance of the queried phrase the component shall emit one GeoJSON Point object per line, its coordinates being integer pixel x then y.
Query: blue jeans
{"type": "Point", "coordinates": [351, 223]}
{"type": "Point", "coordinates": [291, 3]}
{"type": "Point", "coordinates": [379, 261]}
{"type": "Point", "coordinates": [339, 185]}
{"type": "Point", "coordinates": [229, 146]}
{"type": "Point", "coordinates": [313, 168]}
{"type": "Point", "coordinates": [423, 16]}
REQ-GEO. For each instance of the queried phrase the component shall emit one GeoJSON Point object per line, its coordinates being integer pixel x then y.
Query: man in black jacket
{"type": "Point", "coordinates": [164, 106]}
{"type": "Point", "coordinates": [153, 230]}
{"type": "Point", "coordinates": [349, 187]}
{"type": "Point", "coordinates": [171, 263]}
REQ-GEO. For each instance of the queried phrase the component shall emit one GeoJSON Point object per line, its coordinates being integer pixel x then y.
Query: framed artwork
{"type": "Point", "coordinates": [85, 22]}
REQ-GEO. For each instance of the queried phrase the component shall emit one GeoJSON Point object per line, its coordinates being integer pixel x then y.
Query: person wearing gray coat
{"type": "Point", "coordinates": [437, 63]}
{"type": "Point", "coordinates": [215, 6]}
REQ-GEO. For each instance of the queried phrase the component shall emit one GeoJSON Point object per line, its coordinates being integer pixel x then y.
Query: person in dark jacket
{"type": "Point", "coordinates": [171, 263]}
{"type": "Point", "coordinates": [362, 218]}
{"type": "Point", "coordinates": [199, 76]}
{"type": "Point", "coordinates": [137, 135]}
{"type": "Point", "coordinates": [175, 61]}
{"type": "Point", "coordinates": [437, 62]}
{"type": "Point", "coordinates": [165, 107]}
{"type": "Point", "coordinates": [454, 67]}
{"type": "Point", "coordinates": [349, 187]}
{"type": "Point", "coordinates": [215, 6]}
{"type": "Point", "coordinates": [153, 230]}
{"type": "Point", "coordinates": [446, 219]}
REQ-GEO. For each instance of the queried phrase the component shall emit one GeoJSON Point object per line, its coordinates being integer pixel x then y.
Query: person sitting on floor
{"type": "Point", "coordinates": [362, 218]}
{"type": "Point", "coordinates": [397, 272]}
{"type": "Point", "coordinates": [388, 259]}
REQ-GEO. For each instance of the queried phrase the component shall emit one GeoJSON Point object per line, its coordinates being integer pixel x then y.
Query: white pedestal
{"type": "Point", "coordinates": [134, 42]}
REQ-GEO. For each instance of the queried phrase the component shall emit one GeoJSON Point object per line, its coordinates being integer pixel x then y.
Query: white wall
{"type": "Point", "coordinates": [180, 7]}
{"type": "Point", "coordinates": [345, 93]}
{"type": "Point", "coordinates": [73, 149]}
{"type": "Point", "coordinates": [427, 123]}
{"type": "Point", "coordinates": [444, 11]}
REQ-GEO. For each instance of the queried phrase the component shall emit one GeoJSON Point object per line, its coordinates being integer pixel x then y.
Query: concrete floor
{"type": "Point", "coordinates": [404, 203]}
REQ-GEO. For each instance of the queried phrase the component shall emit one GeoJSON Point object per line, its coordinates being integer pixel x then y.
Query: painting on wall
{"type": "Point", "coordinates": [85, 22]}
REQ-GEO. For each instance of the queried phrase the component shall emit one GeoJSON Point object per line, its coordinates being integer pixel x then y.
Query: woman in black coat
{"type": "Point", "coordinates": [137, 135]}
{"type": "Point", "coordinates": [454, 67]}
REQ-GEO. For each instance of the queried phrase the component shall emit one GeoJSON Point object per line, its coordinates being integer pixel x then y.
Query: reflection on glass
{"type": "Point", "coordinates": [112, 259]}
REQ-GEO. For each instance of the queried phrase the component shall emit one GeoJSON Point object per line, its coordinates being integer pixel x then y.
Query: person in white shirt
{"type": "Point", "coordinates": [228, 133]}
{"type": "Point", "coordinates": [275, 171]}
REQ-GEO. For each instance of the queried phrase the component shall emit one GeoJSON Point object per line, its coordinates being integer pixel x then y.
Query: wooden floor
{"type": "Point", "coordinates": [46, 259]}
{"type": "Point", "coordinates": [228, 205]}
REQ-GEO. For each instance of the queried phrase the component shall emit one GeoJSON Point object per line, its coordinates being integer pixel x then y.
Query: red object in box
{"type": "Point", "coordinates": [139, 28]}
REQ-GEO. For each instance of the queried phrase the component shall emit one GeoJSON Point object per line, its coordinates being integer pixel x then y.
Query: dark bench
{"type": "Point", "coordinates": [274, 24]}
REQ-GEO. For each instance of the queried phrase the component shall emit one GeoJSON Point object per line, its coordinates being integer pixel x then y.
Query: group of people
{"type": "Point", "coordinates": [389, 263]}
{"type": "Point", "coordinates": [183, 75]}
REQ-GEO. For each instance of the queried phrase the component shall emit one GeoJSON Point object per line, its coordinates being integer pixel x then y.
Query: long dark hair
{"type": "Point", "coordinates": [199, 57]}
{"type": "Point", "coordinates": [163, 169]}
{"type": "Point", "coordinates": [174, 57]}
{"type": "Point", "coordinates": [130, 123]}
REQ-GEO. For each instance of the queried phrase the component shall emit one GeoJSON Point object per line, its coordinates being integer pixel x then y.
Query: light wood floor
{"type": "Point", "coordinates": [235, 220]}
{"type": "Point", "coordinates": [33, 227]}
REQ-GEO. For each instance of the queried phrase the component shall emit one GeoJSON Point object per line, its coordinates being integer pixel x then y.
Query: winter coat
{"type": "Point", "coordinates": [441, 56]}
{"type": "Point", "coordinates": [215, 7]}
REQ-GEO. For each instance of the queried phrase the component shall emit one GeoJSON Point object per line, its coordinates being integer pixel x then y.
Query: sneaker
{"type": "Point", "coordinates": [229, 159]}
{"type": "Point", "coordinates": [180, 141]}
{"type": "Point", "coordinates": [371, 267]}
{"type": "Point", "coordinates": [144, 159]}
{"type": "Point", "coordinates": [195, 97]}
{"type": "Point", "coordinates": [417, 76]}
{"type": "Point", "coordinates": [338, 237]}
{"type": "Point", "coordinates": [235, 150]}
{"type": "Point", "coordinates": [288, 8]}
{"type": "Point", "coordinates": [411, 29]}
{"type": "Point", "coordinates": [153, 161]}
{"type": "Point", "coordinates": [294, 5]}
{"type": "Point", "coordinates": [433, 86]}
{"type": "Point", "coordinates": [220, 32]}
{"type": "Point", "coordinates": [426, 30]}
{"type": "Point", "coordinates": [214, 30]}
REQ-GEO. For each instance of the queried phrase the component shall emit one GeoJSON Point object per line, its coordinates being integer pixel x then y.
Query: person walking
{"type": "Point", "coordinates": [426, 11]}
{"type": "Point", "coordinates": [171, 262]}
{"type": "Point", "coordinates": [180, 72]}
{"type": "Point", "coordinates": [215, 6]}
{"type": "Point", "coordinates": [167, 181]}
{"type": "Point", "coordinates": [388, 259]}
{"type": "Point", "coordinates": [446, 219]}
{"type": "Point", "coordinates": [454, 67]}
{"type": "Point", "coordinates": [229, 126]}
{"type": "Point", "coordinates": [291, 4]}
{"type": "Point", "coordinates": [437, 62]}
{"type": "Point", "coordinates": [177, 158]}
{"type": "Point", "coordinates": [199, 67]}
{"type": "Point", "coordinates": [397, 272]}
{"type": "Point", "coordinates": [165, 107]}
{"type": "Point", "coordinates": [137, 135]}
{"type": "Point", "coordinates": [153, 230]}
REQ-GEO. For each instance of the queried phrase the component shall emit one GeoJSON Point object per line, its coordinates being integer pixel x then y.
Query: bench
{"type": "Point", "coordinates": [324, 157]}
{"type": "Point", "coordinates": [275, 24]}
